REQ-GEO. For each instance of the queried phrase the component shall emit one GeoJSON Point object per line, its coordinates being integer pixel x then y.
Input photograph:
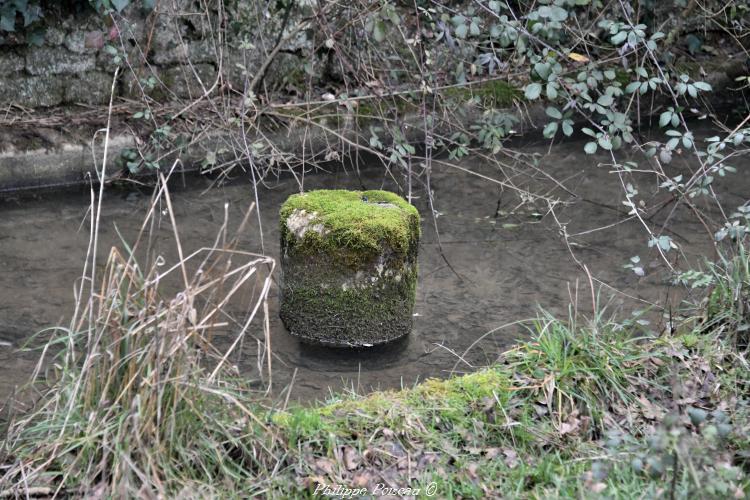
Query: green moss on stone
{"type": "Point", "coordinates": [495, 93]}
{"type": "Point", "coordinates": [318, 309]}
{"type": "Point", "coordinates": [349, 267]}
{"type": "Point", "coordinates": [358, 222]}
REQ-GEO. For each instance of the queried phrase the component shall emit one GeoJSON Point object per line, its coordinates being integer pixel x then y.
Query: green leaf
{"type": "Point", "coordinates": [36, 37]}
{"type": "Point", "coordinates": [554, 113]}
{"type": "Point", "coordinates": [551, 91]}
{"type": "Point", "coordinates": [590, 148]}
{"type": "Point", "coordinates": [632, 87]}
{"type": "Point", "coordinates": [665, 118]}
{"type": "Point", "coordinates": [533, 91]}
{"type": "Point", "coordinates": [619, 37]}
{"type": "Point", "coordinates": [694, 43]}
{"type": "Point", "coordinates": [567, 127]}
{"type": "Point", "coordinates": [378, 31]}
{"type": "Point", "coordinates": [550, 130]}
{"type": "Point", "coordinates": [462, 30]}
{"type": "Point", "coordinates": [119, 5]}
{"type": "Point", "coordinates": [8, 22]}
{"type": "Point", "coordinates": [605, 100]}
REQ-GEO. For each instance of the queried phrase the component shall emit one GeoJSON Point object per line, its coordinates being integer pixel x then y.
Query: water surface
{"type": "Point", "coordinates": [498, 257]}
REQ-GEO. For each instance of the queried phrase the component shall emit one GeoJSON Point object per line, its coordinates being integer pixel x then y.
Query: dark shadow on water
{"type": "Point", "coordinates": [341, 359]}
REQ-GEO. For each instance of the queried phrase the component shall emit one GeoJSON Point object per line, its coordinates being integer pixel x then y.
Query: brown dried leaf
{"type": "Point", "coordinates": [471, 470]}
{"type": "Point", "coordinates": [351, 458]}
{"type": "Point", "coordinates": [361, 479]}
{"type": "Point", "coordinates": [324, 465]}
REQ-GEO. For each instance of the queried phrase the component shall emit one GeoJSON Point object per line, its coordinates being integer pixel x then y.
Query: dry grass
{"type": "Point", "coordinates": [138, 399]}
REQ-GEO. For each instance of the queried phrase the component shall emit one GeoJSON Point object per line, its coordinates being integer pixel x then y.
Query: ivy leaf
{"type": "Point", "coordinates": [120, 4]}
{"type": "Point", "coordinates": [36, 37]}
{"type": "Point", "coordinates": [533, 91]}
{"type": "Point", "coordinates": [694, 44]}
{"type": "Point", "coordinates": [8, 21]}
{"type": "Point", "coordinates": [554, 13]}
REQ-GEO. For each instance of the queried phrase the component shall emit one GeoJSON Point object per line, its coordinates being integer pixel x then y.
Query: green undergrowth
{"type": "Point", "coordinates": [579, 411]}
{"type": "Point", "coordinates": [363, 222]}
{"type": "Point", "coordinates": [492, 93]}
{"type": "Point", "coordinates": [586, 408]}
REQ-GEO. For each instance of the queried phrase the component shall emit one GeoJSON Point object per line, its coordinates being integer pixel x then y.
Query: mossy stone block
{"type": "Point", "coordinates": [349, 266]}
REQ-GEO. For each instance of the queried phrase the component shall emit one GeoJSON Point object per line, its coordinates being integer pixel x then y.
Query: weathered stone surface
{"type": "Point", "coordinates": [349, 267]}
{"type": "Point", "coordinates": [75, 41]}
{"type": "Point", "coordinates": [196, 52]}
{"type": "Point", "coordinates": [10, 62]}
{"type": "Point", "coordinates": [182, 81]}
{"type": "Point", "coordinates": [57, 60]}
{"type": "Point", "coordinates": [33, 92]}
{"type": "Point", "coordinates": [91, 88]}
{"type": "Point", "coordinates": [54, 35]}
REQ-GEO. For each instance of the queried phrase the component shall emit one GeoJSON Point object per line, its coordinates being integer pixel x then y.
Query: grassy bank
{"type": "Point", "coordinates": [585, 408]}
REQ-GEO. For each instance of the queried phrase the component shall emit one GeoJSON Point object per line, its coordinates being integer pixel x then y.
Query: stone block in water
{"type": "Point", "coordinates": [349, 266]}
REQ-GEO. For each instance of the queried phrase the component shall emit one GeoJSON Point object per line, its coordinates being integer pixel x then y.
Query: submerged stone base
{"type": "Point", "coordinates": [349, 267]}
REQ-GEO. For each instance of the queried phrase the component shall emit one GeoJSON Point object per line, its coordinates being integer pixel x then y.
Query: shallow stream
{"type": "Point", "coordinates": [501, 258]}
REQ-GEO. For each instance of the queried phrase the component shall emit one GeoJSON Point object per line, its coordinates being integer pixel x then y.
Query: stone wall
{"type": "Point", "coordinates": [168, 53]}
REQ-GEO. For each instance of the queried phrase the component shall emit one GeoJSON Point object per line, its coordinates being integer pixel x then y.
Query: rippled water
{"type": "Point", "coordinates": [499, 261]}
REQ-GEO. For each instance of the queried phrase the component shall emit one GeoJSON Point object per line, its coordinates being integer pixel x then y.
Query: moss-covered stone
{"type": "Point", "coordinates": [349, 266]}
{"type": "Point", "coordinates": [492, 93]}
